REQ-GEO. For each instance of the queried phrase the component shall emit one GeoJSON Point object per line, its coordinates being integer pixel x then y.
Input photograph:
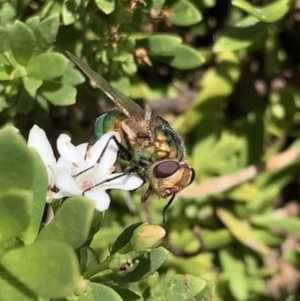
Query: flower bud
{"type": "Point", "coordinates": [81, 287]}
{"type": "Point", "coordinates": [121, 264]}
{"type": "Point", "coordinates": [147, 237]}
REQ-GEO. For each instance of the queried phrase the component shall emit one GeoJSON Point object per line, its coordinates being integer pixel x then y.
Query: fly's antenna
{"type": "Point", "coordinates": [148, 113]}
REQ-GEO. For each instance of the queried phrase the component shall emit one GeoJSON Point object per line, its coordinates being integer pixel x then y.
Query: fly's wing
{"type": "Point", "coordinates": [127, 105]}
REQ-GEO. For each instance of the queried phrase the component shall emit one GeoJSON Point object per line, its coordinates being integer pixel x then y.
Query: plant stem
{"type": "Point", "coordinates": [99, 268]}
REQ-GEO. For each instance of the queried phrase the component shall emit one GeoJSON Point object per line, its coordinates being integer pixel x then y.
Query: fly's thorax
{"type": "Point", "coordinates": [138, 131]}
{"type": "Point", "coordinates": [109, 121]}
{"type": "Point", "coordinates": [143, 156]}
{"type": "Point", "coordinates": [169, 177]}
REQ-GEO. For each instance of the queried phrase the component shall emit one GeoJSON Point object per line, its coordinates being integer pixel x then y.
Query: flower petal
{"type": "Point", "coordinates": [99, 197]}
{"type": "Point", "coordinates": [68, 151]}
{"type": "Point", "coordinates": [109, 156]}
{"type": "Point", "coordinates": [74, 169]}
{"type": "Point", "coordinates": [82, 148]}
{"type": "Point", "coordinates": [38, 140]}
{"type": "Point", "coordinates": [125, 182]}
{"type": "Point", "coordinates": [99, 175]}
{"type": "Point", "coordinates": [55, 195]}
{"type": "Point", "coordinates": [67, 184]}
{"type": "Point", "coordinates": [63, 165]}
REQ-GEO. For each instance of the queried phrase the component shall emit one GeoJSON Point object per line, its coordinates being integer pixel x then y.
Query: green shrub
{"type": "Point", "coordinates": [227, 75]}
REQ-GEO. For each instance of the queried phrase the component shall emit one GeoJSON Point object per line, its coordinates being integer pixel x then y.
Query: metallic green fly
{"type": "Point", "coordinates": [152, 148]}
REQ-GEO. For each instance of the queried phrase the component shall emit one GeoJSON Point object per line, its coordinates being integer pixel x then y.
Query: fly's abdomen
{"type": "Point", "coordinates": [109, 121]}
{"type": "Point", "coordinates": [169, 145]}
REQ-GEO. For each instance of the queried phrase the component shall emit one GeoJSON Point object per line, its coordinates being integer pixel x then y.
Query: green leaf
{"type": "Point", "coordinates": [16, 167]}
{"type": "Point", "coordinates": [124, 238]}
{"type": "Point", "coordinates": [72, 10]}
{"type": "Point", "coordinates": [89, 259]}
{"type": "Point", "coordinates": [270, 239]}
{"type": "Point", "coordinates": [245, 192]}
{"type": "Point", "coordinates": [39, 188]}
{"type": "Point", "coordinates": [97, 291]}
{"type": "Point", "coordinates": [25, 102]}
{"type": "Point", "coordinates": [270, 13]}
{"type": "Point", "coordinates": [4, 103]}
{"type": "Point", "coordinates": [291, 298]}
{"type": "Point", "coordinates": [58, 94]}
{"type": "Point", "coordinates": [178, 287]}
{"type": "Point", "coordinates": [247, 7]}
{"type": "Point", "coordinates": [31, 85]}
{"type": "Point", "coordinates": [107, 6]}
{"type": "Point", "coordinates": [276, 10]}
{"type": "Point", "coordinates": [8, 13]}
{"type": "Point", "coordinates": [17, 73]}
{"type": "Point", "coordinates": [270, 183]}
{"type": "Point", "coordinates": [182, 57]}
{"type": "Point", "coordinates": [129, 66]}
{"type": "Point", "coordinates": [148, 264]}
{"type": "Point", "coordinates": [4, 38]}
{"type": "Point", "coordinates": [15, 213]}
{"type": "Point", "coordinates": [254, 132]}
{"type": "Point", "coordinates": [235, 271]}
{"type": "Point", "coordinates": [96, 24]}
{"type": "Point", "coordinates": [20, 5]}
{"type": "Point", "coordinates": [126, 294]}
{"type": "Point", "coordinates": [245, 34]}
{"type": "Point", "coordinates": [49, 269]}
{"type": "Point", "coordinates": [22, 43]}
{"type": "Point", "coordinates": [47, 66]}
{"type": "Point", "coordinates": [216, 85]}
{"type": "Point", "coordinates": [122, 83]}
{"type": "Point", "coordinates": [71, 223]}
{"type": "Point", "coordinates": [184, 13]}
{"type": "Point", "coordinates": [13, 290]}
{"type": "Point", "coordinates": [160, 44]}
{"type": "Point", "coordinates": [50, 8]}
{"type": "Point", "coordinates": [277, 224]}
{"type": "Point", "coordinates": [207, 294]}
{"type": "Point", "coordinates": [72, 77]}
{"type": "Point", "coordinates": [293, 257]}
{"type": "Point", "coordinates": [46, 32]}
{"type": "Point", "coordinates": [33, 22]}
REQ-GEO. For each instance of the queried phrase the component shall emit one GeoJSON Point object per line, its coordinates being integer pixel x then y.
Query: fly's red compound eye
{"type": "Point", "coordinates": [165, 169]}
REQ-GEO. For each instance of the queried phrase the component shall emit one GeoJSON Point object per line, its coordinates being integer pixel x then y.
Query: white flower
{"type": "Point", "coordinates": [89, 170]}
{"type": "Point", "coordinates": [83, 169]}
{"type": "Point", "coordinates": [38, 140]}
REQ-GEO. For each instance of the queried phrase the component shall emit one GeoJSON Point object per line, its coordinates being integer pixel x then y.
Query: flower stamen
{"type": "Point", "coordinates": [112, 169]}
{"type": "Point", "coordinates": [86, 185]}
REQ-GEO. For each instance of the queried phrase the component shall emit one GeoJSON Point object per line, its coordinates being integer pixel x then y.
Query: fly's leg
{"type": "Point", "coordinates": [122, 151]}
{"type": "Point", "coordinates": [127, 171]}
{"type": "Point", "coordinates": [165, 209]}
{"type": "Point", "coordinates": [105, 181]}
{"type": "Point", "coordinates": [147, 194]}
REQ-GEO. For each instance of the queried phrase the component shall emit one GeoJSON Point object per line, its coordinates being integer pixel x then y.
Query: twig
{"type": "Point", "coordinates": [227, 182]}
{"type": "Point", "coordinates": [167, 105]}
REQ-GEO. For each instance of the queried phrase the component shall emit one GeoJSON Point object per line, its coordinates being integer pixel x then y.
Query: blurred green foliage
{"type": "Point", "coordinates": [240, 62]}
